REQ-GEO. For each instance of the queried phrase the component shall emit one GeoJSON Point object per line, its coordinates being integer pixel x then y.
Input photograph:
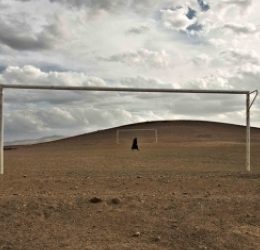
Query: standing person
{"type": "Point", "coordinates": [135, 144]}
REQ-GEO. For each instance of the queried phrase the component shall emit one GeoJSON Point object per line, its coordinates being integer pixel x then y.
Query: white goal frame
{"type": "Point", "coordinates": [137, 129]}
{"type": "Point", "coordinates": [248, 94]}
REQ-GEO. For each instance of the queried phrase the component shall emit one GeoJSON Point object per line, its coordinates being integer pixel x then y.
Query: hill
{"type": "Point", "coordinates": [171, 132]}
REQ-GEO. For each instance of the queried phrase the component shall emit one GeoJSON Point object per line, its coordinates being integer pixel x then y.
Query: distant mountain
{"type": "Point", "coordinates": [34, 141]}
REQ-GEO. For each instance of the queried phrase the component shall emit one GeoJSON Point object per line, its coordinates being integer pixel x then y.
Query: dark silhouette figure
{"type": "Point", "coordinates": [135, 144]}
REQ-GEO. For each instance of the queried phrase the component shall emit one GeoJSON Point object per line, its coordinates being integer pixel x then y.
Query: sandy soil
{"type": "Point", "coordinates": [189, 191]}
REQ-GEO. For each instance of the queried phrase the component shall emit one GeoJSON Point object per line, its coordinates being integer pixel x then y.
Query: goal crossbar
{"type": "Point", "coordinates": [120, 89]}
{"type": "Point", "coordinates": [136, 129]}
{"type": "Point", "coordinates": [248, 94]}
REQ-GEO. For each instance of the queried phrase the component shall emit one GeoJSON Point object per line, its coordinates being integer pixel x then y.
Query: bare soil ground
{"type": "Point", "coordinates": [189, 191]}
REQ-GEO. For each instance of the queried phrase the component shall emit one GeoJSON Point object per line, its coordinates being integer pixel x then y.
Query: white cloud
{"type": "Point", "coordinates": [140, 29]}
{"type": "Point", "coordinates": [20, 125]}
{"type": "Point", "coordinates": [176, 20]}
{"type": "Point", "coordinates": [143, 57]}
{"type": "Point", "coordinates": [202, 60]}
{"type": "Point", "coordinates": [238, 57]}
{"type": "Point", "coordinates": [146, 82]}
{"type": "Point", "coordinates": [217, 42]}
{"type": "Point", "coordinates": [245, 77]}
{"type": "Point", "coordinates": [20, 36]}
{"type": "Point", "coordinates": [241, 28]}
{"type": "Point", "coordinates": [32, 75]}
{"type": "Point", "coordinates": [95, 7]}
{"type": "Point", "coordinates": [241, 3]}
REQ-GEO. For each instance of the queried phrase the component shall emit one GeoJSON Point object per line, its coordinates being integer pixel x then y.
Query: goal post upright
{"type": "Point", "coordinates": [249, 104]}
{"type": "Point", "coordinates": [248, 141]}
{"type": "Point", "coordinates": [1, 131]}
{"type": "Point", "coordinates": [121, 89]}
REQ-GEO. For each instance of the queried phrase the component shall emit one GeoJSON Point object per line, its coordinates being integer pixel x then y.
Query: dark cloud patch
{"type": "Point", "coordinates": [241, 28]}
{"type": "Point", "coordinates": [48, 67]}
{"type": "Point", "coordinates": [195, 27]}
{"type": "Point", "coordinates": [204, 6]}
{"type": "Point", "coordinates": [93, 4]}
{"type": "Point", "coordinates": [3, 5]}
{"type": "Point", "coordinates": [138, 30]}
{"type": "Point", "coordinates": [2, 68]}
{"type": "Point", "coordinates": [191, 13]}
{"type": "Point", "coordinates": [244, 4]}
{"type": "Point", "coordinates": [235, 56]}
{"type": "Point", "coordinates": [23, 38]}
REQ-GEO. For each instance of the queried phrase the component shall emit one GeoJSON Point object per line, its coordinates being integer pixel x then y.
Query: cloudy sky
{"type": "Point", "coordinates": [198, 44]}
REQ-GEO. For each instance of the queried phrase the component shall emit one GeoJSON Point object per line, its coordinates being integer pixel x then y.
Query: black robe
{"type": "Point", "coordinates": [135, 144]}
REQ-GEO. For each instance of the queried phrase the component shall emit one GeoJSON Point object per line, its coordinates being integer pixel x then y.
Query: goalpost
{"type": "Point", "coordinates": [136, 133]}
{"type": "Point", "coordinates": [248, 94]}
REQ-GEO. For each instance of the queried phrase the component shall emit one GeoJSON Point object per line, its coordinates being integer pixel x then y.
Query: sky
{"type": "Point", "coordinates": [193, 44]}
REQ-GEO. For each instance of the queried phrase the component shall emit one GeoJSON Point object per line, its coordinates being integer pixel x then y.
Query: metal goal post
{"type": "Point", "coordinates": [248, 94]}
{"type": "Point", "coordinates": [153, 130]}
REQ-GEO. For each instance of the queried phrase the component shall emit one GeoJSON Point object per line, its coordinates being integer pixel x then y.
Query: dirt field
{"type": "Point", "coordinates": [188, 191]}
